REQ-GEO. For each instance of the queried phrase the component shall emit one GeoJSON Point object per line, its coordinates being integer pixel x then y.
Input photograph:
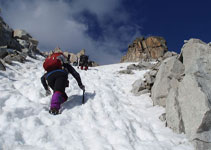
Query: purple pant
{"type": "Point", "coordinates": [57, 99]}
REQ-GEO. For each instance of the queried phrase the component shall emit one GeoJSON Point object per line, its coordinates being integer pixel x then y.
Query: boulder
{"type": "Point", "coordinates": [170, 68]}
{"type": "Point", "coordinates": [15, 57]}
{"type": "Point", "coordinates": [173, 109]}
{"type": "Point", "coordinates": [21, 34]}
{"type": "Point", "coordinates": [149, 79]}
{"type": "Point", "coordinates": [138, 86]}
{"type": "Point", "coordinates": [194, 103]}
{"type": "Point", "coordinates": [188, 102]}
{"type": "Point", "coordinates": [145, 65]}
{"type": "Point", "coordinates": [195, 93]}
{"type": "Point", "coordinates": [169, 54]}
{"type": "Point", "coordinates": [196, 56]}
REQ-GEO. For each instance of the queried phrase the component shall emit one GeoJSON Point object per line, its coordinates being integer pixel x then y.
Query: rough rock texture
{"type": "Point", "coordinates": [3, 52]}
{"type": "Point", "coordinates": [142, 86]}
{"type": "Point", "coordinates": [152, 47]}
{"type": "Point", "coordinates": [187, 96]}
{"type": "Point", "coordinates": [173, 110]}
{"type": "Point", "coordinates": [29, 44]}
{"type": "Point", "coordinates": [6, 36]}
{"type": "Point", "coordinates": [16, 45]}
{"type": "Point", "coordinates": [196, 106]}
{"type": "Point", "coordinates": [21, 34]}
{"type": "Point", "coordinates": [138, 86]}
{"type": "Point", "coordinates": [15, 57]}
{"type": "Point", "coordinates": [170, 68]}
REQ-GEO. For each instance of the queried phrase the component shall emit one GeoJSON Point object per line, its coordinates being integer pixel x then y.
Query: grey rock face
{"type": "Point", "coordinates": [169, 54]}
{"type": "Point", "coordinates": [185, 91]}
{"type": "Point", "coordinates": [196, 101]}
{"type": "Point", "coordinates": [11, 58]}
{"type": "Point", "coordinates": [173, 109]}
{"type": "Point", "coordinates": [144, 86]}
{"type": "Point", "coordinates": [6, 36]}
{"type": "Point", "coordinates": [138, 86]}
{"type": "Point", "coordinates": [195, 109]}
{"type": "Point", "coordinates": [196, 56]}
{"type": "Point", "coordinates": [3, 52]}
{"type": "Point", "coordinates": [170, 68]}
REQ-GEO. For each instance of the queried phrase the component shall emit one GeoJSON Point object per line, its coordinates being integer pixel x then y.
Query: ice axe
{"type": "Point", "coordinates": [83, 97]}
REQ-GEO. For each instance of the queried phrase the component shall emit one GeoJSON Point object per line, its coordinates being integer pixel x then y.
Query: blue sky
{"type": "Point", "coordinates": [178, 20]}
{"type": "Point", "coordinates": [106, 27]}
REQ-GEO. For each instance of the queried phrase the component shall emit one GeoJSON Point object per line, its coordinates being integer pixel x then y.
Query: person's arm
{"type": "Point", "coordinates": [44, 83]}
{"type": "Point", "coordinates": [75, 74]}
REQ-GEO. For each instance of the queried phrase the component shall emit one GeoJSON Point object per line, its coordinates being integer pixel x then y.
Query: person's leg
{"type": "Point", "coordinates": [57, 100]}
{"type": "Point", "coordinates": [86, 65]}
{"type": "Point", "coordinates": [86, 68]}
{"type": "Point", "coordinates": [59, 92]}
{"type": "Point", "coordinates": [58, 82]}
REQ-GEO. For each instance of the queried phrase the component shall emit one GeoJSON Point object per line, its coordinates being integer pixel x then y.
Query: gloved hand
{"type": "Point", "coordinates": [82, 87]}
{"type": "Point", "coordinates": [48, 92]}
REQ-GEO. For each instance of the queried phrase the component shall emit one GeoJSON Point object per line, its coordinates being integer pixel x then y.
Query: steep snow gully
{"type": "Point", "coordinates": [111, 118]}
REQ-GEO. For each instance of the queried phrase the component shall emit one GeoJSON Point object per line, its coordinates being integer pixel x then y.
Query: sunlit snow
{"type": "Point", "coordinates": [111, 119]}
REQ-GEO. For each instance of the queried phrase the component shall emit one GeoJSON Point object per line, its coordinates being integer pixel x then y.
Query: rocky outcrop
{"type": "Point", "coordinates": [29, 44]}
{"type": "Point", "coordinates": [183, 87]}
{"type": "Point", "coordinates": [182, 84]}
{"type": "Point", "coordinates": [152, 47]}
{"type": "Point", "coordinates": [142, 86]}
{"type": "Point", "coordinates": [16, 45]}
{"type": "Point", "coordinates": [6, 37]}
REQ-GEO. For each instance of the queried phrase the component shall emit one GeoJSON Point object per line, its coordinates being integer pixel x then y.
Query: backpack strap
{"type": "Point", "coordinates": [49, 73]}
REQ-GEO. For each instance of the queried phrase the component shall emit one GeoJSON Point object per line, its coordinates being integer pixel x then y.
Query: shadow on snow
{"type": "Point", "coordinates": [76, 100]}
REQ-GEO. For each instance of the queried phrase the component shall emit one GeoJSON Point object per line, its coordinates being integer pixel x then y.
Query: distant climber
{"type": "Point", "coordinates": [83, 62]}
{"type": "Point", "coordinates": [57, 68]}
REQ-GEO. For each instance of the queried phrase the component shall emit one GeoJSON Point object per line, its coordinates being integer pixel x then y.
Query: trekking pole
{"type": "Point", "coordinates": [83, 97]}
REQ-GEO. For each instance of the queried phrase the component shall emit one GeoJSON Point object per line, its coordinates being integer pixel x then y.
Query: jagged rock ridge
{"type": "Point", "coordinates": [152, 47]}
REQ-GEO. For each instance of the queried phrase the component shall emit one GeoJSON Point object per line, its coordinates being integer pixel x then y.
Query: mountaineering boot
{"type": "Point", "coordinates": [81, 67]}
{"type": "Point", "coordinates": [86, 68]}
{"type": "Point", "coordinates": [54, 111]}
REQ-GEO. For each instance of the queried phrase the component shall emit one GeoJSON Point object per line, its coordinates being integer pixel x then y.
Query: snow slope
{"type": "Point", "coordinates": [111, 119]}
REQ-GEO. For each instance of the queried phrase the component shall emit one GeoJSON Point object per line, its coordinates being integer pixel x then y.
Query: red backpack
{"type": "Point", "coordinates": [52, 63]}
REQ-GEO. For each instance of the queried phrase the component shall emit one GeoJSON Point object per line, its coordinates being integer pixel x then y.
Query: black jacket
{"type": "Point", "coordinates": [68, 69]}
